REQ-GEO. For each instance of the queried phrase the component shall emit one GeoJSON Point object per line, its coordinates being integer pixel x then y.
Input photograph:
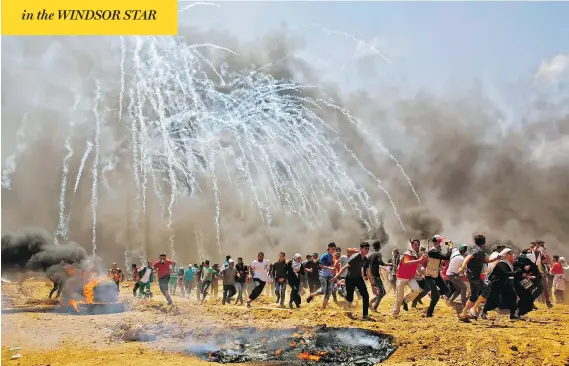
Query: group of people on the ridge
{"type": "Point", "coordinates": [483, 282]}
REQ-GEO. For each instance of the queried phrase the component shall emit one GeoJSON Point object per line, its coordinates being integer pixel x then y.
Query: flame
{"type": "Point", "coordinates": [73, 303]}
{"type": "Point", "coordinates": [308, 356]}
{"type": "Point", "coordinates": [279, 352]}
{"type": "Point", "coordinates": [89, 289]}
{"type": "Point", "coordinates": [293, 344]}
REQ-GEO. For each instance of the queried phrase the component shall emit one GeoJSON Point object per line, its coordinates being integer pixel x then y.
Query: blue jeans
{"type": "Point", "coordinates": [280, 289]}
{"type": "Point", "coordinates": [325, 287]}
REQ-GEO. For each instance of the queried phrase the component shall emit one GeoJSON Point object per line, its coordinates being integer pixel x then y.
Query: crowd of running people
{"type": "Point", "coordinates": [482, 281]}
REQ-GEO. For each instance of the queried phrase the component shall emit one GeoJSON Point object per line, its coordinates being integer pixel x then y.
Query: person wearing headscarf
{"type": "Point", "coordinates": [525, 282]}
{"type": "Point", "coordinates": [558, 279]}
{"type": "Point", "coordinates": [294, 271]}
{"type": "Point", "coordinates": [499, 290]}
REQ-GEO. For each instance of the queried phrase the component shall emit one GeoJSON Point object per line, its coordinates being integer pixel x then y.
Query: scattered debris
{"type": "Point", "coordinates": [338, 346]}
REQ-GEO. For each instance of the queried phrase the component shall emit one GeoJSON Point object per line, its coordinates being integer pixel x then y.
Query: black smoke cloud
{"type": "Point", "coordinates": [421, 223]}
{"type": "Point", "coordinates": [470, 175]}
{"type": "Point", "coordinates": [33, 249]}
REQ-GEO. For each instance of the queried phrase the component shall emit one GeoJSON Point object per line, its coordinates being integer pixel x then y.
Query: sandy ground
{"type": "Point", "coordinates": [49, 338]}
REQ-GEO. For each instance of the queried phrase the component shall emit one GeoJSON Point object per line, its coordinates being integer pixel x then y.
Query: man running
{"type": "Point", "coordinates": [208, 274]}
{"type": "Point", "coordinates": [395, 261]}
{"type": "Point", "coordinates": [278, 273]}
{"type": "Point", "coordinates": [375, 262]}
{"type": "Point", "coordinates": [405, 276]}
{"type": "Point", "coordinates": [342, 261]}
{"type": "Point", "coordinates": [326, 269]}
{"type": "Point", "coordinates": [136, 279]}
{"type": "Point", "coordinates": [162, 268]}
{"type": "Point", "coordinates": [455, 276]}
{"type": "Point", "coordinates": [146, 275]}
{"type": "Point", "coordinates": [311, 269]}
{"type": "Point", "coordinates": [228, 274]}
{"type": "Point", "coordinates": [241, 277]}
{"type": "Point", "coordinates": [433, 273]}
{"type": "Point", "coordinates": [474, 264]}
{"type": "Point", "coordinates": [358, 272]}
{"type": "Point", "coordinates": [117, 275]}
{"type": "Point", "coordinates": [189, 279]}
{"type": "Point", "coordinates": [259, 270]}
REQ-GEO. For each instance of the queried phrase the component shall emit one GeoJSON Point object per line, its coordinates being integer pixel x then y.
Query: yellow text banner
{"type": "Point", "coordinates": [89, 17]}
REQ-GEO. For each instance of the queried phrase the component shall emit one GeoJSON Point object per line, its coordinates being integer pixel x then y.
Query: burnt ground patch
{"type": "Point", "coordinates": [332, 346]}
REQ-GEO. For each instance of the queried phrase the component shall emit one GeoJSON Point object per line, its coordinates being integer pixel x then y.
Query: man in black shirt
{"type": "Point", "coordinates": [311, 268]}
{"type": "Point", "coordinates": [474, 263]}
{"type": "Point", "coordinates": [240, 278]}
{"type": "Point", "coordinates": [278, 273]}
{"type": "Point", "coordinates": [358, 271]}
{"type": "Point", "coordinates": [375, 262]}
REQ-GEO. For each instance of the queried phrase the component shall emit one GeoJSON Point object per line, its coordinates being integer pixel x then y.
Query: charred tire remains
{"type": "Point", "coordinates": [332, 346]}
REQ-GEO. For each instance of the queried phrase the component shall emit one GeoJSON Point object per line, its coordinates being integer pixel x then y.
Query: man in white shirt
{"type": "Point", "coordinates": [454, 275]}
{"type": "Point", "coordinates": [259, 271]}
{"type": "Point", "coordinates": [145, 273]}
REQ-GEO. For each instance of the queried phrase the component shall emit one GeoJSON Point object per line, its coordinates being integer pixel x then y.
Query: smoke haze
{"type": "Point", "coordinates": [470, 174]}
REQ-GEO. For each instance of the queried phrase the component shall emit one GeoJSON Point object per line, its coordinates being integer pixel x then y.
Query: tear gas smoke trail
{"type": "Point", "coordinates": [357, 123]}
{"type": "Point", "coordinates": [167, 148]}
{"type": "Point", "coordinates": [379, 185]}
{"type": "Point", "coordinates": [199, 3]}
{"type": "Point", "coordinates": [358, 41]}
{"type": "Point", "coordinates": [11, 160]}
{"type": "Point", "coordinates": [82, 165]}
{"type": "Point", "coordinates": [62, 226]}
{"type": "Point", "coordinates": [281, 143]}
{"type": "Point", "coordinates": [95, 168]}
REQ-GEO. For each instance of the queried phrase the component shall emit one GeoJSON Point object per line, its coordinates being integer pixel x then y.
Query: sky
{"type": "Point", "coordinates": [428, 45]}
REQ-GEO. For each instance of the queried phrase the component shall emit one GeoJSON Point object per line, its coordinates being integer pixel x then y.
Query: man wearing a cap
{"type": "Point", "coordinates": [433, 273]}
{"type": "Point", "coordinates": [162, 268]}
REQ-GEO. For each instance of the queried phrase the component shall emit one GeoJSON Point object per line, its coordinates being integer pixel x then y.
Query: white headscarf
{"type": "Point", "coordinates": [296, 265]}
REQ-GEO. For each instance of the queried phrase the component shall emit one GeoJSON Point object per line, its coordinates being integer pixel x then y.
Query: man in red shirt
{"type": "Point", "coordinates": [162, 268]}
{"type": "Point", "coordinates": [405, 276]}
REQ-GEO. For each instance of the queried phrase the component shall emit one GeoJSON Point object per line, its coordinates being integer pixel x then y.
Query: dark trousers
{"type": "Point", "coordinates": [476, 286]}
{"type": "Point", "coordinates": [136, 287]}
{"type": "Point", "coordinates": [259, 286]}
{"type": "Point", "coordinates": [313, 285]}
{"type": "Point", "coordinates": [163, 283]}
{"type": "Point", "coordinates": [118, 285]}
{"type": "Point", "coordinates": [357, 283]}
{"type": "Point", "coordinates": [57, 286]}
{"type": "Point", "coordinates": [294, 294]}
{"type": "Point", "coordinates": [424, 285]}
{"type": "Point", "coordinates": [438, 287]}
{"type": "Point", "coordinates": [228, 292]}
